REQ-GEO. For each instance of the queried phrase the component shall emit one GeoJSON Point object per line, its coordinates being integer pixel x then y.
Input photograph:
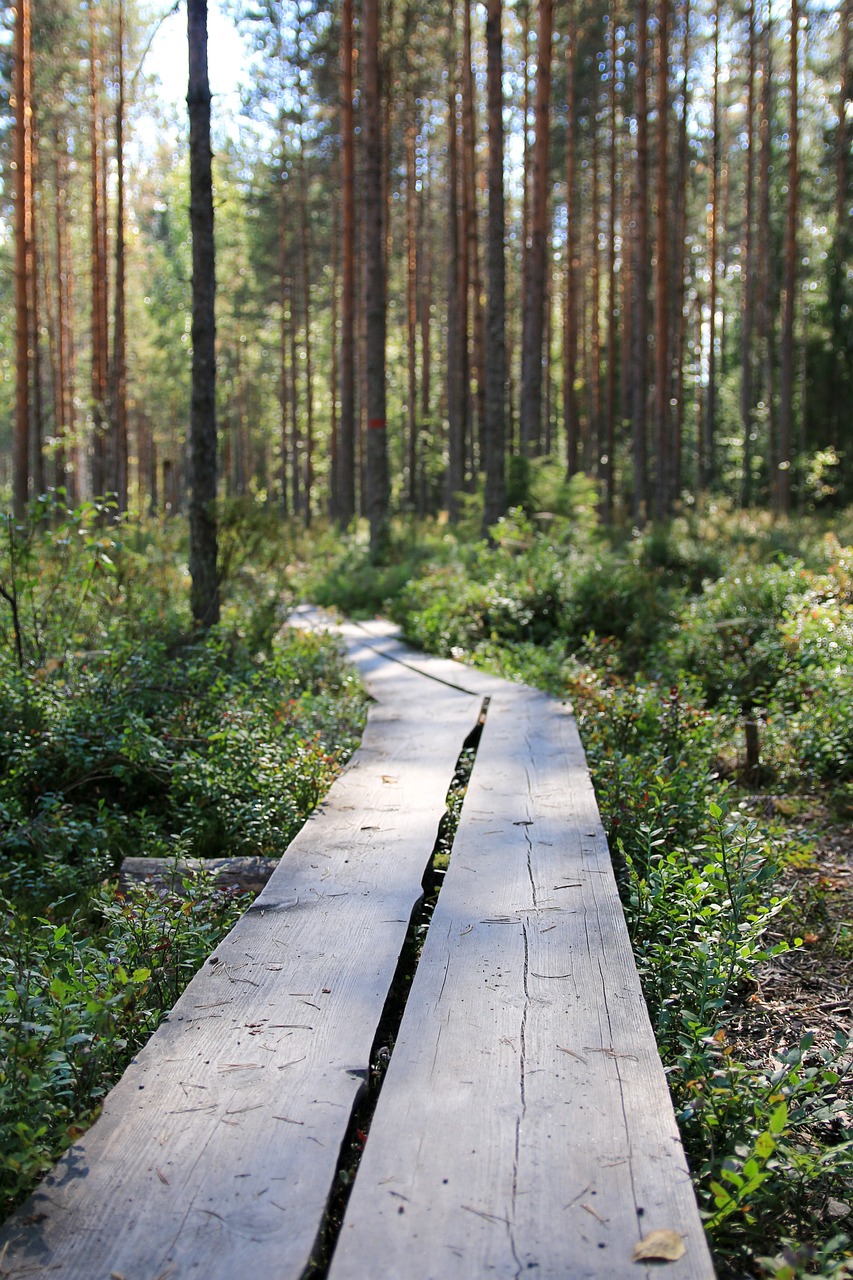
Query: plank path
{"type": "Point", "coordinates": [524, 1123]}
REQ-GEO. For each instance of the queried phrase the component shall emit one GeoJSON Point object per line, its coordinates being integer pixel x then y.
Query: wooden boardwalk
{"type": "Point", "coordinates": [524, 1124]}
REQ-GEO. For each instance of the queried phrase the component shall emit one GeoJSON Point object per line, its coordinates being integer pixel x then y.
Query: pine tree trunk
{"type": "Point", "coordinates": [663, 431]}
{"type": "Point", "coordinates": [640, 319]}
{"type": "Point", "coordinates": [455, 330]}
{"type": "Point", "coordinates": [747, 269]}
{"type": "Point", "coordinates": [494, 425]}
{"type": "Point", "coordinates": [789, 281]}
{"type": "Point", "coordinates": [37, 419]}
{"type": "Point", "coordinates": [570, 306]}
{"type": "Point", "coordinates": [678, 318]}
{"type": "Point", "coordinates": [118, 379]}
{"type": "Point", "coordinates": [595, 298]}
{"type": "Point", "coordinates": [283, 301]}
{"type": "Point", "coordinates": [100, 477]}
{"type": "Point", "coordinates": [204, 596]}
{"type": "Point", "coordinates": [305, 255]}
{"type": "Point", "coordinates": [533, 305]}
{"type": "Point", "coordinates": [707, 470]}
{"type": "Point", "coordinates": [475, 274]}
{"type": "Point", "coordinates": [22, 84]}
{"type": "Point", "coordinates": [377, 432]}
{"type": "Point", "coordinates": [411, 322]}
{"type": "Point", "coordinates": [346, 448]}
{"type": "Point", "coordinates": [612, 304]}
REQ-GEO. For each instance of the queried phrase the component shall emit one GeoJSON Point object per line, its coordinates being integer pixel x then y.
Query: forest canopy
{"type": "Point", "coordinates": [666, 279]}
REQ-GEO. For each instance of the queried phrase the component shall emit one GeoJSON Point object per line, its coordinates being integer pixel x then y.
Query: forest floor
{"type": "Point", "coordinates": [810, 988]}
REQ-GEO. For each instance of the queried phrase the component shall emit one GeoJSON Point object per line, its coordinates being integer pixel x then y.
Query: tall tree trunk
{"type": "Point", "coordinates": [595, 295]}
{"type": "Point", "coordinates": [204, 596]}
{"type": "Point", "coordinates": [377, 429]}
{"type": "Point", "coordinates": [494, 427]}
{"type": "Point", "coordinates": [306, 320]}
{"type": "Point", "coordinates": [118, 379]}
{"type": "Point", "coordinates": [570, 306]}
{"type": "Point", "coordinates": [764, 306]}
{"type": "Point", "coordinates": [411, 321]}
{"type": "Point", "coordinates": [640, 319]}
{"type": "Point", "coordinates": [283, 303]}
{"type": "Point", "coordinates": [708, 468]}
{"type": "Point", "coordinates": [747, 269]}
{"type": "Point", "coordinates": [456, 398]}
{"type": "Point", "coordinates": [663, 432]}
{"type": "Point", "coordinates": [678, 319]}
{"type": "Point", "coordinates": [37, 419]}
{"type": "Point", "coordinates": [346, 448]}
{"type": "Point", "coordinates": [789, 281]}
{"type": "Point", "coordinates": [612, 302]}
{"type": "Point", "coordinates": [533, 305]}
{"type": "Point", "coordinates": [472, 250]}
{"type": "Point", "coordinates": [99, 370]}
{"type": "Point", "coordinates": [22, 85]}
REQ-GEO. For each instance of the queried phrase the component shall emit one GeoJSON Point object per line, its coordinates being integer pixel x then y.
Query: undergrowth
{"type": "Point", "coordinates": [123, 732]}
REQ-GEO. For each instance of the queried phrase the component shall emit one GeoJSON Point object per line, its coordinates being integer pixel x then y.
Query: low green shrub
{"type": "Point", "coordinates": [75, 1005]}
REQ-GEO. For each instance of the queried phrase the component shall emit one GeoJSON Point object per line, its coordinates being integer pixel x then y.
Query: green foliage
{"type": "Point", "coordinates": [74, 1007]}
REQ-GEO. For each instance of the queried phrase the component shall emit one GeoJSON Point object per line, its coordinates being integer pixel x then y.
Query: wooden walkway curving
{"type": "Point", "coordinates": [524, 1123]}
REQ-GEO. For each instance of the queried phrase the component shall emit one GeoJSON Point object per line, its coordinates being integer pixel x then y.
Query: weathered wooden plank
{"type": "Point", "coordinates": [218, 1147]}
{"type": "Point", "coordinates": [524, 1122]}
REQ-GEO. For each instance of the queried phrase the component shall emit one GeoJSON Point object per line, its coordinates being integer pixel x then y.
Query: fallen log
{"type": "Point", "coordinates": [247, 875]}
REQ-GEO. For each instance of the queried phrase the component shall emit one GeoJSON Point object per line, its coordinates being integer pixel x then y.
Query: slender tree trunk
{"type": "Point", "coordinates": [612, 302]}
{"type": "Point", "coordinates": [475, 274]}
{"type": "Point", "coordinates": [306, 320]}
{"type": "Point", "coordinates": [494, 432]}
{"type": "Point", "coordinates": [118, 379]}
{"type": "Point", "coordinates": [411, 320]}
{"type": "Point", "coordinates": [681, 257]}
{"type": "Point", "coordinates": [747, 268]}
{"type": "Point", "coordinates": [377, 432]}
{"type": "Point", "coordinates": [346, 450]}
{"type": "Point", "coordinates": [533, 305]}
{"type": "Point", "coordinates": [708, 467]}
{"type": "Point", "coordinates": [455, 330]}
{"type": "Point", "coordinates": [334, 379]}
{"type": "Point", "coordinates": [789, 282]}
{"type": "Point", "coordinates": [663, 431]}
{"type": "Point", "coordinates": [204, 596]}
{"type": "Point", "coordinates": [640, 319]}
{"type": "Point", "coordinates": [36, 271]}
{"type": "Point", "coordinates": [595, 296]}
{"type": "Point", "coordinates": [283, 376]}
{"type": "Point", "coordinates": [100, 477]}
{"type": "Point", "coordinates": [570, 306]}
{"type": "Point", "coordinates": [22, 84]}
{"type": "Point", "coordinates": [295, 434]}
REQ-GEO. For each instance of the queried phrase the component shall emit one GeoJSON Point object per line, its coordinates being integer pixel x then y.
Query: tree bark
{"type": "Point", "coordinates": [411, 321]}
{"type": "Point", "coordinates": [663, 431]}
{"type": "Point", "coordinates": [640, 319]}
{"type": "Point", "coordinates": [494, 425]}
{"type": "Point", "coordinates": [22, 86]}
{"type": "Point", "coordinates": [204, 595]}
{"type": "Point", "coordinates": [612, 305]}
{"type": "Point", "coordinates": [346, 446]}
{"type": "Point", "coordinates": [708, 467]}
{"type": "Point", "coordinates": [570, 306]}
{"type": "Point", "coordinates": [789, 281]}
{"type": "Point", "coordinates": [747, 269]}
{"type": "Point", "coordinates": [377, 432]}
{"type": "Point", "coordinates": [475, 275]}
{"type": "Point", "coordinates": [455, 330]}
{"type": "Point", "coordinates": [118, 378]}
{"type": "Point", "coordinates": [533, 305]}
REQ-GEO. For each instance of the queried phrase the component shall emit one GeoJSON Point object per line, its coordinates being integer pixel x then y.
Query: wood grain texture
{"type": "Point", "coordinates": [218, 1147]}
{"type": "Point", "coordinates": [524, 1123]}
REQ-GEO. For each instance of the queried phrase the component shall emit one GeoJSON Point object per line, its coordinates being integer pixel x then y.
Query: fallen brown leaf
{"type": "Point", "coordinates": [660, 1245]}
